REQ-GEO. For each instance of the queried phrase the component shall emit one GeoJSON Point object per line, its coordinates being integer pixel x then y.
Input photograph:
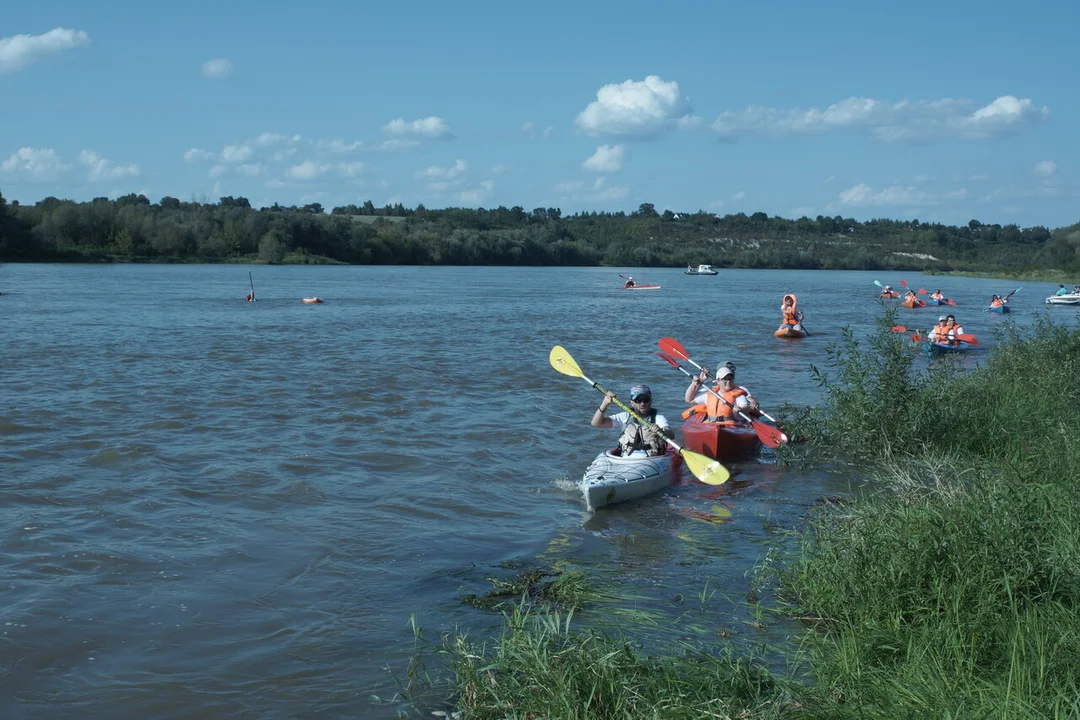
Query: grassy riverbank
{"type": "Point", "coordinates": [950, 587]}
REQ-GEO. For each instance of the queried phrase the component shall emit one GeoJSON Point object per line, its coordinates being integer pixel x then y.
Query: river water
{"type": "Point", "coordinates": [218, 508]}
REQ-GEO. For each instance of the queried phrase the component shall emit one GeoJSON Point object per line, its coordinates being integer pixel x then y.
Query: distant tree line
{"type": "Point", "coordinates": [132, 229]}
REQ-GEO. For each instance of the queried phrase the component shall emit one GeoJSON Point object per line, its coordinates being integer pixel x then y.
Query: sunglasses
{"type": "Point", "coordinates": [642, 399]}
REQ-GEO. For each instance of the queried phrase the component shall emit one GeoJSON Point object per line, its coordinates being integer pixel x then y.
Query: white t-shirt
{"type": "Point", "coordinates": [622, 419]}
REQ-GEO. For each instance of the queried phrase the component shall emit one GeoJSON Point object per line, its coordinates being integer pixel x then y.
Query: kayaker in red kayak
{"type": "Point", "coordinates": [792, 318]}
{"type": "Point", "coordinates": [629, 282]}
{"type": "Point", "coordinates": [636, 439]}
{"type": "Point", "coordinates": [716, 410]}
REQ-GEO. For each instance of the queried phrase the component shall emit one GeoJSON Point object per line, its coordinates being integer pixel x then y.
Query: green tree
{"type": "Point", "coordinates": [272, 247]}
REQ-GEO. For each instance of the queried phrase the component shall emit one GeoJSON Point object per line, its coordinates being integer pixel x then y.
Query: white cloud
{"type": "Point", "coordinates": [339, 146]}
{"type": "Point", "coordinates": [634, 108]}
{"type": "Point", "coordinates": [234, 154]}
{"type": "Point", "coordinates": [888, 121]}
{"type": "Point", "coordinates": [449, 173]}
{"type": "Point", "coordinates": [19, 51]}
{"type": "Point", "coordinates": [307, 170]}
{"type": "Point", "coordinates": [862, 195]}
{"type": "Point", "coordinates": [477, 194]}
{"type": "Point", "coordinates": [606, 159]}
{"type": "Point", "coordinates": [569, 187]}
{"type": "Point", "coordinates": [615, 192]}
{"type": "Point", "coordinates": [532, 130]}
{"type": "Point", "coordinates": [739, 196]}
{"type": "Point", "coordinates": [244, 170]}
{"type": "Point", "coordinates": [217, 68]}
{"type": "Point", "coordinates": [103, 169]}
{"type": "Point", "coordinates": [499, 169]}
{"type": "Point", "coordinates": [34, 164]}
{"type": "Point", "coordinates": [195, 155]}
{"type": "Point", "coordinates": [1046, 168]}
{"type": "Point", "coordinates": [350, 169]}
{"type": "Point", "coordinates": [431, 128]}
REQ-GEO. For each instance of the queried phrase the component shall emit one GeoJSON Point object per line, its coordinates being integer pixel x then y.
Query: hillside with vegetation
{"type": "Point", "coordinates": [133, 229]}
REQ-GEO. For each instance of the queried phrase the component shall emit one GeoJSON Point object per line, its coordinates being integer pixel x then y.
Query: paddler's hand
{"type": "Point", "coordinates": [703, 376]}
{"type": "Point", "coordinates": [609, 396]}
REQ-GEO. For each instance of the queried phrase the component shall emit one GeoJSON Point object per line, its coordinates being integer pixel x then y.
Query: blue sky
{"type": "Point", "coordinates": [940, 111]}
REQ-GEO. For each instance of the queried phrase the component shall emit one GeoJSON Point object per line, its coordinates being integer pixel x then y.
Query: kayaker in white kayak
{"type": "Point", "coordinates": [636, 439]}
{"type": "Point", "coordinates": [715, 409]}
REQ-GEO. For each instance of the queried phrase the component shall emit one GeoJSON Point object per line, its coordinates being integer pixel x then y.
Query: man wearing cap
{"type": "Point", "coordinates": [940, 332]}
{"type": "Point", "coordinates": [636, 439]}
{"type": "Point", "coordinates": [717, 410]}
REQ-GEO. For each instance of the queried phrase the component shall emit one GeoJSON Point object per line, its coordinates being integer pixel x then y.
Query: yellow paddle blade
{"type": "Point", "coordinates": [561, 361]}
{"type": "Point", "coordinates": [705, 469]}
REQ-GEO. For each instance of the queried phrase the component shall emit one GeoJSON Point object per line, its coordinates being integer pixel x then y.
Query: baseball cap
{"type": "Point", "coordinates": [940, 319]}
{"type": "Point", "coordinates": [724, 371]}
{"type": "Point", "coordinates": [639, 390]}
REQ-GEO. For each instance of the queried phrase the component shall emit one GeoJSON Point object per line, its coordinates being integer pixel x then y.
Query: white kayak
{"type": "Point", "coordinates": [1070, 299]}
{"type": "Point", "coordinates": [612, 478]}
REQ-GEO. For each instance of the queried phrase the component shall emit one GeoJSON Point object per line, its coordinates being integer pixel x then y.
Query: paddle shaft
{"type": "Point", "coordinates": [252, 285]}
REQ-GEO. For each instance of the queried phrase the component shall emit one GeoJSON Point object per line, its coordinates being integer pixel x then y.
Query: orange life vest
{"type": "Point", "coordinates": [791, 314]}
{"type": "Point", "coordinates": [940, 333]}
{"type": "Point", "coordinates": [716, 409]}
{"type": "Point", "coordinates": [996, 302]}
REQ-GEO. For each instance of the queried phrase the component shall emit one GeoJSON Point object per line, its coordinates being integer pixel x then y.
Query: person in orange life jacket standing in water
{"type": "Point", "coordinates": [636, 439]}
{"type": "Point", "coordinates": [715, 409]}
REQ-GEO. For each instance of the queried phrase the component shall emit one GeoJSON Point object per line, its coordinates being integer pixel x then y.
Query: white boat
{"type": "Point", "coordinates": [701, 270]}
{"type": "Point", "coordinates": [612, 478]}
{"type": "Point", "coordinates": [1070, 299]}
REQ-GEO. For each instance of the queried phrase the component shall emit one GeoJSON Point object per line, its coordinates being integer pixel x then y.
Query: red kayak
{"type": "Point", "coordinates": [647, 286]}
{"type": "Point", "coordinates": [720, 441]}
{"type": "Point", "coordinates": [912, 304]}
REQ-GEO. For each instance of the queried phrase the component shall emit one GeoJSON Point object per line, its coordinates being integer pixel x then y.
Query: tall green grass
{"type": "Point", "coordinates": [953, 587]}
{"type": "Point", "coordinates": [948, 587]}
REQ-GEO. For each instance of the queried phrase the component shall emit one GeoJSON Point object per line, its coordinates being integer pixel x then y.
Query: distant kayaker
{"type": "Point", "coordinates": [636, 439]}
{"type": "Point", "coordinates": [888, 292]}
{"type": "Point", "coordinates": [910, 296]}
{"type": "Point", "coordinates": [953, 330]}
{"type": "Point", "coordinates": [717, 410]}
{"type": "Point", "coordinates": [250, 297]}
{"type": "Point", "coordinates": [997, 301]}
{"type": "Point", "coordinates": [936, 295]}
{"type": "Point", "coordinates": [792, 318]}
{"type": "Point", "coordinates": [629, 282]}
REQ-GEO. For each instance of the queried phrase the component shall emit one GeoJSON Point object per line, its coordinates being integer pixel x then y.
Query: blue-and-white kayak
{"type": "Point", "coordinates": [935, 348]}
{"type": "Point", "coordinates": [612, 478]}
{"type": "Point", "coordinates": [1000, 309]}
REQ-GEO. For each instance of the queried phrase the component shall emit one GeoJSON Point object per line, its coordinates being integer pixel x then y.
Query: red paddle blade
{"type": "Point", "coordinates": [668, 359]}
{"type": "Point", "coordinates": [916, 337]}
{"type": "Point", "coordinates": [950, 302]}
{"type": "Point", "coordinates": [768, 435]}
{"type": "Point", "coordinates": [922, 291]}
{"type": "Point", "coordinates": [904, 283]}
{"type": "Point", "coordinates": [673, 347]}
{"type": "Point", "coordinates": [969, 339]}
{"type": "Point", "coordinates": [899, 328]}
